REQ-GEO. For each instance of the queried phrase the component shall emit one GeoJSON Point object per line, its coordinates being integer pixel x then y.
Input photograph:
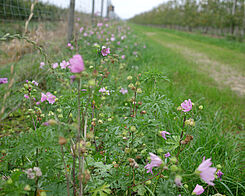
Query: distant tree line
{"type": "Point", "coordinates": [220, 17]}
{"type": "Point", "coordinates": [21, 9]}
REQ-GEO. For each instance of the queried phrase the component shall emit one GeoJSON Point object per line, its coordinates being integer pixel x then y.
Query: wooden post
{"type": "Point", "coordinates": [102, 8]}
{"type": "Point", "coordinates": [71, 21]}
{"type": "Point", "coordinates": [107, 9]}
{"type": "Point", "coordinates": [92, 12]}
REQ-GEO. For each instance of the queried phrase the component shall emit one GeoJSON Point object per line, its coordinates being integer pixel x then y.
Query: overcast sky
{"type": "Point", "coordinates": [124, 8]}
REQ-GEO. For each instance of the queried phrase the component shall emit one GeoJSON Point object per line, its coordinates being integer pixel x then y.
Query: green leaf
{"type": "Point", "coordinates": [102, 190]}
{"type": "Point", "coordinates": [173, 143]}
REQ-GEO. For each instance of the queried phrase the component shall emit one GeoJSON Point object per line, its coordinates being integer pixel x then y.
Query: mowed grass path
{"type": "Point", "coordinates": [208, 70]}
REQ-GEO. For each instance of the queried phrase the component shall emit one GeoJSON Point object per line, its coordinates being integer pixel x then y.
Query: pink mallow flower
{"type": "Point", "coordinates": [42, 65]}
{"type": "Point", "coordinates": [105, 51]}
{"type": "Point", "coordinates": [103, 90]}
{"type": "Point", "coordinates": [123, 56]}
{"type": "Point", "coordinates": [163, 133]}
{"type": "Point", "coordinates": [76, 64]}
{"type": "Point", "coordinates": [206, 172]}
{"type": "Point", "coordinates": [43, 97]}
{"type": "Point", "coordinates": [63, 64]}
{"type": "Point", "coordinates": [219, 174]}
{"type": "Point", "coordinates": [198, 190]}
{"type": "Point", "coordinates": [167, 155]}
{"type": "Point", "coordinates": [123, 91]}
{"type": "Point", "coordinates": [3, 80]}
{"type": "Point", "coordinates": [186, 105]}
{"type": "Point", "coordinates": [49, 97]}
{"type": "Point", "coordinates": [55, 65]}
{"type": "Point", "coordinates": [81, 29]}
{"type": "Point", "coordinates": [26, 96]}
{"type": "Point", "coordinates": [99, 24]}
{"type": "Point", "coordinates": [155, 162]}
{"type": "Point", "coordinates": [34, 82]}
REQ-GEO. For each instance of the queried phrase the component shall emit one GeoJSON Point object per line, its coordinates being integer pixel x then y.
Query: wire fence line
{"type": "Point", "coordinates": [13, 10]}
{"type": "Point", "coordinates": [53, 10]}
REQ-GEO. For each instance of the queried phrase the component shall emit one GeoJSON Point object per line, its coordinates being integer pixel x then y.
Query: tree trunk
{"type": "Point", "coordinates": [243, 24]}
{"type": "Point", "coordinates": [233, 17]}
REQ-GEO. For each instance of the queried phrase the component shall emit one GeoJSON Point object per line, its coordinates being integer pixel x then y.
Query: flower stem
{"type": "Point", "coordinates": [79, 137]}
{"type": "Point", "coordinates": [67, 179]}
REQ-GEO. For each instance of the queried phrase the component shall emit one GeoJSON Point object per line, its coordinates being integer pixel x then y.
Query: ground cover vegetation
{"type": "Point", "coordinates": [222, 18]}
{"type": "Point", "coordinates": [108, 116]}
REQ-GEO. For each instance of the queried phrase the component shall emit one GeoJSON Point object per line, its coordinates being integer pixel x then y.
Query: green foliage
{"type": "Point", "coordinates": [205, 16]}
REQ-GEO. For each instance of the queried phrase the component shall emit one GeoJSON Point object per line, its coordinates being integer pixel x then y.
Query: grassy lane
{"type": "Point", "coordinates": [188, 79]}
{"type": "Point", "coordinates": [233, 56]}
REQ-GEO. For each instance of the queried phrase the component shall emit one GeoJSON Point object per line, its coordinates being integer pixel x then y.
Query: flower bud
{"type": "Point", "coordinates": [139, 91]}
{"type": "Point", "coordinates": [9, 181]}
{"type": "Point", "coordinates": [177, 180]}
{"type": "Point", "coordinates": [62, 140]}
{"type": "Point", "coordinates": [173, 160]}
{"type": "Point", "coordinates": [95, 73]}
{"type": "Point", "coordinates": [27, 187]}
{"type": "Point", "coordinates": [127, 150]}
{"type": "Point", "coordinates": [26, 86]}
{"type": "Point", "coordinates": [50, 122]}
{"type": "Point", "coordinates": [88, 144]}
{"type": "Point", "coordinates": [131, 86]}
{"type": "Point", "coordinates": [200, 107]}
{"type": "Point", "coordinates": [43, 194]}
{"type": "Point", "coordinates": [90, 135]}
{"type": "Point", "coordinates": [143, 112]}
{"type": "Point", "coordinates": [174, 168]}
{"type": "Point", "coordinates": [179, 108]}
{"type": "Point", "coordinates": [91, 83]}
{"type": "Point", "coordinates": [148, 182]}
{"type": "Point", "coordinates": [133, 128]}
{"type": "Point", "coordinates": [129, 78]}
